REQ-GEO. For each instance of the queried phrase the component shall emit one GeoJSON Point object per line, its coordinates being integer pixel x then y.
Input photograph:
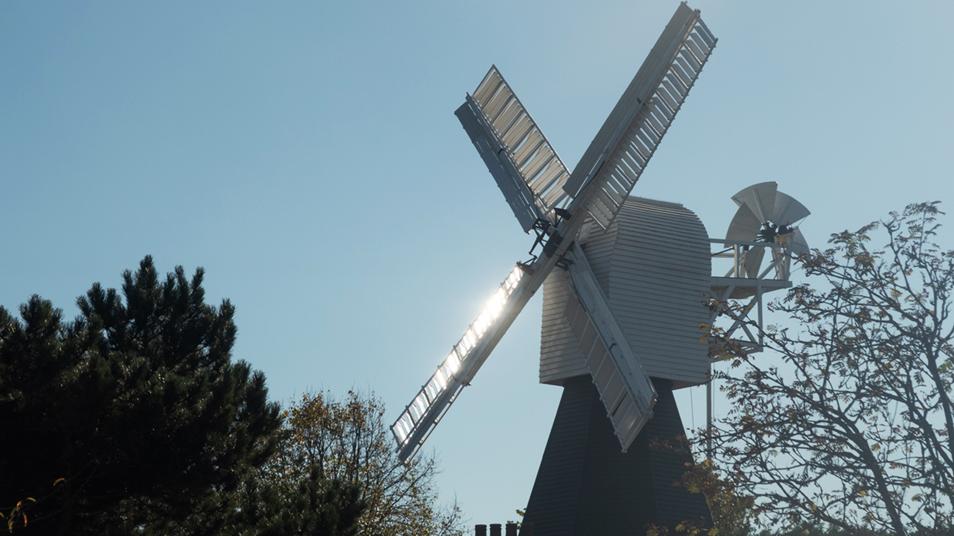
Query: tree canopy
{"type": "Point", "coordinates": [132, 413]}
{"type": "Point", "coordinates": [847, 419]}
{"type": "Point", "coordinates": [347, 440]}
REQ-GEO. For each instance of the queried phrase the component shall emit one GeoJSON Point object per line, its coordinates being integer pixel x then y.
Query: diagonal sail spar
{"type": "Point", "coordinates": [458, 368]}
{"type": "Point", "coordinates": [527, 169]}
{"type": "Point", "coordinates": [626, 391]}
{"type": "Point", "coordinates": [628, 139]}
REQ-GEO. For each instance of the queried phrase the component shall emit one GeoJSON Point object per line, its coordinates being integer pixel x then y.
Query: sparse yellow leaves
{"type": "Point", "coordinates": [349, 441]}
{"type": "Point", "coordinates": [17, 514]}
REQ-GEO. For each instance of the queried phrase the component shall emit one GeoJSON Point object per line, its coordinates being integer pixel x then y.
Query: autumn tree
{"type": "Point", "coordinates": [130, 415]}
{"type": "Point", "coordinates": [847, 419]}
{"type": "Point", "coordinates": [347, 441]}
{"type": "Point", "coordinates": [732, 514]}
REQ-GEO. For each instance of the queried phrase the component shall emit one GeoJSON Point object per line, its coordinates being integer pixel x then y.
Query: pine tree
{"type": "Point", "coordinates": [130, 415]}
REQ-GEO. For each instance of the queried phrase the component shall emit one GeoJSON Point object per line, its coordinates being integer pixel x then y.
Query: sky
{"type": "Point", "coordinates": [307, 156]}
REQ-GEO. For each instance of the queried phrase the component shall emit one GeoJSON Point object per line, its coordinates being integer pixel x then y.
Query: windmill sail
{"type": "Point", "coordinates": [760, 200]}
{"type": "Point", "coordinates": [626, 391]}
{"type": "Point", "coordinates": [527, 169]}
{"type": "Point", "coordinates": [620, 151]}
{"type": "Point", "coordinates": [459, 367]}
{"type": "Point", "coordinates": [788, 210]}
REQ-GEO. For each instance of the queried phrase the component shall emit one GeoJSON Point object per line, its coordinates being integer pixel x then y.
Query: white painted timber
{"type": "Point", "coordinates": [523, 163]}
{"type": "Point", "coordinates": [657, 266]}
{"type": "Point", "coordinates": [560, 355]}
{"type": "Point", "coordinates": [627, 140]}
{"type": "Point", "coordinates": [626, 391]}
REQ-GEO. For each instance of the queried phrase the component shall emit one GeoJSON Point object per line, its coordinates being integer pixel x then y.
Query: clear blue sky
{"type": "Point", "coordinates": [306, 154]}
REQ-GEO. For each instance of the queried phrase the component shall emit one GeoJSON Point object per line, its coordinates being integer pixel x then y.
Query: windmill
{"type": "Point", "coordinates": [563, 209]}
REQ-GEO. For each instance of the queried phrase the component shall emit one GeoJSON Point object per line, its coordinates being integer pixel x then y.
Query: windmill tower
{"type": "Point", "coordinates": [613, 365]}
{"type": "Point", "coordinates": [653, 265]}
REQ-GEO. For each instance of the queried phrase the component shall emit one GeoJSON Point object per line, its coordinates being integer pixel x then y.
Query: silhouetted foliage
{"type": "Point", "coordinates": [347, 441]}
{"type": "Point", "coordinates": [847, 420]}
{"type": "Point", "coordinates": [308, 505]}
{"type": "Point", "coordinates": [132, 414]}
{"type": "Point", "coordinates": [732, 514]}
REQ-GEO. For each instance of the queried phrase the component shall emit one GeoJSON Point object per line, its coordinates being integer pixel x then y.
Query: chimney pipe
{"type": "Point", "coordinates": [511, 529]}
{"type": "Point", "coordinates": [495, 529]}
{"type": "Point", "coordinates": [480, 530]}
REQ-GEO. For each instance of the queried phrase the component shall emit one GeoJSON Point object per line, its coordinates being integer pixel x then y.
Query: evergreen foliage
{"type": "Point", "coordinates": [131, 415]}
{"type": "Point", "coordinates": [309, 505]}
